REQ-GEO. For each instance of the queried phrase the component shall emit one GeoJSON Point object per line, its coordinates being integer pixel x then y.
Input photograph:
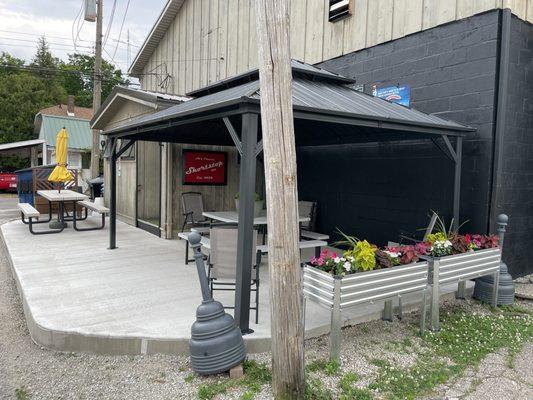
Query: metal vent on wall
{"type": "Point", "coordinates": [339, 9]}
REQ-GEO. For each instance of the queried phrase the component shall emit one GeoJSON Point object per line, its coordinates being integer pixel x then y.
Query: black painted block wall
{"type": "Point", "coordinates": [375, 191]}
{"type": "Point", "coordinates": [515, 178]}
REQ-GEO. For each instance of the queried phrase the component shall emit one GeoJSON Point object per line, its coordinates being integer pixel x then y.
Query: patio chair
{"type": "Point", "coordinates": [222, 272]}
{"type": "Point", "coordinates": [308, 208]}
{"type": "Point", "coordinates": [193, 207]}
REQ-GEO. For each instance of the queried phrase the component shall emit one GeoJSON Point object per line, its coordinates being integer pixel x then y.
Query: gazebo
{"type": "Point", "coordinates": [327, 111]}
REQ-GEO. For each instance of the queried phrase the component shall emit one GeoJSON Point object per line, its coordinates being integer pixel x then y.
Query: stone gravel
{"type": "Point", "coordinates": [45, 374]}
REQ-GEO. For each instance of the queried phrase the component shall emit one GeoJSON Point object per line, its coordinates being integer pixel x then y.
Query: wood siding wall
{"type": "Point", "coordinates": [210, 40]}
{"type": "Point", "coordinates": [216, 198]}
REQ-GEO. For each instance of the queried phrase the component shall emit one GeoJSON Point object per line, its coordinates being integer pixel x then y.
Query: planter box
{"type": "Point", "coordinates": [457, 269]}
{"type": "Point", "coordinates": [337, 293]}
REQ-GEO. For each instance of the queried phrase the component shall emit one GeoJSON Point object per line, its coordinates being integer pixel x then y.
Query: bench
{"type": "Point", "coordinates": [27, 211]}
{"type": "Point", "coordinates": [204, 241]}
{"type": "Point", "coordinates": [89, 205]}
{"type": "Point", "coordinates": [200, 229]}
{"type": "Point", "coordinates": [303, 244]}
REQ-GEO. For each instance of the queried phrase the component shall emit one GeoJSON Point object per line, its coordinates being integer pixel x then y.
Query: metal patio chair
{"type": "Point", "coordinates": [222, 273]}
{"type": "Point", "coordinates": [193, 208]}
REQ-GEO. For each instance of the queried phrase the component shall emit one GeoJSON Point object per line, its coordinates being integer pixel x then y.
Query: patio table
{"type": "Point", "coordinates": [60, 197]}
{"type": "Point", "coordinates": [232, 217]}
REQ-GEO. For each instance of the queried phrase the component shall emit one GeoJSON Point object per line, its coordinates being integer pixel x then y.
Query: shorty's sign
{"type": "Point", "coordinates": [204, 167]}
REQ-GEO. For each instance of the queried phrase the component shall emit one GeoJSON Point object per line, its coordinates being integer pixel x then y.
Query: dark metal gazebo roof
{"type": "Point", "coordinates": [326, 111]}
{"type": "Point", "coordinates": [318, 96]}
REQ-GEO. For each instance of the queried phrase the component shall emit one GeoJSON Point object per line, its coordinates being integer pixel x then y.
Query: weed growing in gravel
{"type": "Point", "coordinates": [255, 375]}
{"type": "Point", "coordinates": [315, 390]}
{"type": "Point", "coordinates": [189, 378]}
{"type": "Point", "coordinates": [22, 394]}
{"type": "Point", "coordinates": [329, 368]}
{"type": "Point", "coordinates": [349, 392]}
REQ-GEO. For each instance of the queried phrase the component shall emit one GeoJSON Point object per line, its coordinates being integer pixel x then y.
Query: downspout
{"type": "Point", "coordinates": [502, 84]}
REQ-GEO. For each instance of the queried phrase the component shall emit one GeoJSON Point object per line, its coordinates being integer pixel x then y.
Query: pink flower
{"type": "Point", "coordinates": [334, 255]}
{"type": "Point", "coordinates": [312, 260]}
{"type": "Point", "coordinates": [320, 261]}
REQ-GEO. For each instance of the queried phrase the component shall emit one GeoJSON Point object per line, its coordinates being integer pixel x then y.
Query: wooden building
{"type": "Point", "coordinates": [466, 60]}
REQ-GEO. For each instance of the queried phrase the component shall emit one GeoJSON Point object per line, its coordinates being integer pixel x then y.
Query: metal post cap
{"type": "Point", "coordinates": [503, 219]}
{"type": "Point", "coordinates": [194, 238]}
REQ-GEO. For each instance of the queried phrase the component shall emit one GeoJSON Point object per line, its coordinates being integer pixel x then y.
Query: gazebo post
{"type": "Point", "coordinates": [246, 221]}
{"type": "Point", "coordinates": [461, 287]}
{"type": "Point", "coordinates": [113, 196]}
{"type": "Point", "coordinates": [457, 181]}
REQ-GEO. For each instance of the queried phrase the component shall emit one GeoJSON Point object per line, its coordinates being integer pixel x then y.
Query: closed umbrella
{"type": "Point", "coordinates": [61, 173]}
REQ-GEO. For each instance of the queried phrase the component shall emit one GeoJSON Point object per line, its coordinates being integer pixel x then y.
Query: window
{"type": "Point", "coordinates": [128, 154]}
{"type": "Point", "coordinates": [339, 9]}
{"type": "Point", "coordinates": [86, 160]}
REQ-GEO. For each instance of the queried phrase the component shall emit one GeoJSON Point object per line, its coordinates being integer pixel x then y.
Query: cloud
{"type": "Point", "coordinates": [22, 21]}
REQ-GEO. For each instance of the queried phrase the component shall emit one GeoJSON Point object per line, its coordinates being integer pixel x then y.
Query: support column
{"type": "Point", "coordinates": [113, 196]}
{"type": "Point", "coordinates": [245, 252]}
{"type": "Point", "coordinates": [457, 182]}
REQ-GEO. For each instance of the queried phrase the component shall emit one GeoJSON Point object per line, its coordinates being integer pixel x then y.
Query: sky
{"type": "Point", "coordinates": [23, 21]}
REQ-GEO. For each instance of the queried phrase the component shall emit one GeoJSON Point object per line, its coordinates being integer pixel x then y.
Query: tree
{"type": "Point", "coordinates": [44, 60]}
{"type": "Point", "coordinates": [78, 78]}
{"type": "Point", "coordinates": [286, 311]}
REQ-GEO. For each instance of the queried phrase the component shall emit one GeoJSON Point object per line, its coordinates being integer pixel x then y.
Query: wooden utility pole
{"type": "Point", "coordinates": [97, 89]}
{"type": "Point", "coordinates": [286, 311]}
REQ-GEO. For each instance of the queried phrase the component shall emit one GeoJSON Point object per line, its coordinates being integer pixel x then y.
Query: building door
{"type": "Point", "coordinates": [149, 187]}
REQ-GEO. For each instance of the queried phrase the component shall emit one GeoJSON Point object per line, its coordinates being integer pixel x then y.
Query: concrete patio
{"type": "Point", "coordinates": [138, 299]}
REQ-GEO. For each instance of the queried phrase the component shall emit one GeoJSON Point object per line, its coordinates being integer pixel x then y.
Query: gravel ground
{"type": "Point", "coordinates": [45, 374]}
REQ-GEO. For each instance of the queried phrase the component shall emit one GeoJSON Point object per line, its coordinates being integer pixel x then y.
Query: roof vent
{"type": "Point", "coordinates": [339, 9]}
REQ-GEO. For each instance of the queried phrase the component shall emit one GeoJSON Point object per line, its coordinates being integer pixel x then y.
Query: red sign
{"type": "Point", "coordinates": [204, 167]}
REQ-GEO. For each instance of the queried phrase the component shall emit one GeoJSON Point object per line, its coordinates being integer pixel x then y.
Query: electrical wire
{"type": "Point", "coordinates": [110, 23]}
{"type": "Point", "coordinates": [49, 43]}
{"type": "Point", "coordinates": [78, 15]}
{"type": "Point", "coordinates": [63, 37]}
{"type": "Point", "coordinates": [86, 74]}
{"type": "Point", "coordinates": [121, 28]}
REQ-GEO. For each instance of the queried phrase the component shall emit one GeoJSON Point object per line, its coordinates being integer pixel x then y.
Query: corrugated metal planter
{"type": "Point", "coordinates": [338, 293]}
{"type": "Point", "coordinates": [457, 269]}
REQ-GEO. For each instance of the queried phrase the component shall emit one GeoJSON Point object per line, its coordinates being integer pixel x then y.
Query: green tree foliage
{"type": "Point", "coordinates": [22, 94]}
{"type": "Point", "coordinates": [46, 81]}
{"type": "Point", "coordinates": [78, 78]}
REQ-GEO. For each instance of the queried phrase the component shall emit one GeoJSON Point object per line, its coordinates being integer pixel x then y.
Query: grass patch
{"type": "Point", "coordinates": [464, 340]}
{"type": "Point", "coordinates": [329, 368]}
{"type": "Point", "coordinates": [349, 391]}
{"type": "Point", "coordinates": [22, 394]}
{"type": "Point", "coordinates": [315, 390]}
{"type": "Point", "coordinates": [255, 375]}
{"type": "Point", "coordinates": [189, 378]}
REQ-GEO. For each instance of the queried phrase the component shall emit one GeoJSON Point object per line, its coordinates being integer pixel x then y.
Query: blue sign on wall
{"type": "Point", "coordinates": [395, 94]}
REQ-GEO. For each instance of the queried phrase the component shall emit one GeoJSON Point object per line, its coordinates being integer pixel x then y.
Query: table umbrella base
{"type": "Point", "coordinates": [57, 224]}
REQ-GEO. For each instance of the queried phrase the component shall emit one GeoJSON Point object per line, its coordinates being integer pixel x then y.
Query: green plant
{"type": "Point", "coordinates": [255, 375]}
{"type": "Point", "coordinates": [314, 390]}
{"type": "Point", "coordinates": [348, 391]}
{"type": "Point", "coordinates": [329, 368]}
{"type": "Point", "coordinates": [365, 255]}
{"type": "Point", "coordinates": [22, 394]}
{"type": "Point", "coordinates": [257, 196]}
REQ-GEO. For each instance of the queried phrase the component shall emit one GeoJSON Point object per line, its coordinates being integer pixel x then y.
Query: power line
{"type": "Point", "coordinates": [121, 27]}
{"type": "Point", "coordinates": [10, 46]}
{"type": "Point", "coordinates": [86, 74]}
{"type": "Point", "coordinates": [63, 37]}
{"type": "Point", "coordinates": [110, 23]}
{"type": "Point", "coordinates": [74, 22]}
{"type": "Point", "coordinates": [49, 43]}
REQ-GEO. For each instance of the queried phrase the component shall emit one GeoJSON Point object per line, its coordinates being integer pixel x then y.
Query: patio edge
{"type": "Point", "coordinates": [64, 341]}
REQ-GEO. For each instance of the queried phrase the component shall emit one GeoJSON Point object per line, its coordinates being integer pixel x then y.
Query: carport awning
{"type": "Point", "coordinates": [316, 96]}
{"type": "Point", "coordinates": [21, 145]}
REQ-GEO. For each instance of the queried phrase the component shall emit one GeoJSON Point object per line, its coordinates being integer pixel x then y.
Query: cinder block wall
{"type": "Point", "coordinates": [375, 191]}
{"type": "Point", "coordinates": [515, 196]}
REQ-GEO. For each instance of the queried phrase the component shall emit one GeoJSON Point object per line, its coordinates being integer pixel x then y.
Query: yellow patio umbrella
{"type": "Point", "coordinates": [60, 172]}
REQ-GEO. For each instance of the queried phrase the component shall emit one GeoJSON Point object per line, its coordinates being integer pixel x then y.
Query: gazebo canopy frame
{"type": "Point", "coordinates": [326, 112]}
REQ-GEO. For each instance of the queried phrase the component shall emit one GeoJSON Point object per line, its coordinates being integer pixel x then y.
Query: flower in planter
{"type": "Point", "coordinates": [441, 248]}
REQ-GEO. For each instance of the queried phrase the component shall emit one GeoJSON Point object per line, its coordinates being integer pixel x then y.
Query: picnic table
{"type": "Point", "coordinates": [61, 197]}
